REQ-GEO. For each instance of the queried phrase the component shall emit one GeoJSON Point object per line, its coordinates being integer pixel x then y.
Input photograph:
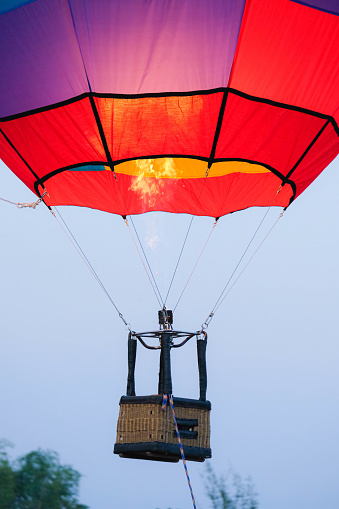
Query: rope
{"type": "Point", "coordinates": [189, 228]}
{"type": "Point", "coordinates": [176, 267]}
{"type": "Point", "coordinates": [163, 407]}
{"type": "Point", "coordinates": [84, 258]}
{"type": "Point", "coordinates": [142, 261]}
{"type": "Point", "coordinates": [155, 283]}
{"type": "Point", "coordinates": [196, 263]}
{"type": "Point", "coordinates": [164, 402]}
{"type": "Point", "coordinates": [31, 205]}
{"type": "Point", "coordinates": [221, 298]}
{"type": "Point", "coordinates": [253, 255]}
{"type": "Point", "coordinates": [124, 217]}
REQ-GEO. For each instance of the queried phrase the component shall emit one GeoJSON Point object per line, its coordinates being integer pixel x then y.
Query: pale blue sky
{"type": "Point", "coordinates": [273, 347]}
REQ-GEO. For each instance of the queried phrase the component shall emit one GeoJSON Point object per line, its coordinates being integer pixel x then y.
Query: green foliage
{"type": "Point", "coordinates": [7, 481]}
{"type": "Point", "coordinates": [229, 494]}
{"type": "Point", "coordinates": [37, 481]}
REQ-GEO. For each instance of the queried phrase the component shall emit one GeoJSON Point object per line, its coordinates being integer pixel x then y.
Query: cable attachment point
{"type": "Point", "coordinates": [207, 322]}
{"type": "Point", "coordinates": [128, 326]}
{"type": "Point", "coordinates": [165, 317]}
{"type": "Point", "coordinates": [34, 204]}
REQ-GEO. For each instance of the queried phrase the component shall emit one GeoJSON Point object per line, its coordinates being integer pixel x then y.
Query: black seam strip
{"type": "Point", "coordinates": [284, 179]}
{"type": "Point", "coordinates": [218, 129]}
{"type": "Point", "coordinates": [110, 96]}
{"type": "Point", "coordinates": [43, 109]}
{"type": "Point", "coordinates": [307, 150]}
{"type": "Point", "coordinates": [101, 132]}
{"type": "Point", "coordinates": [175, 94]}
{"type": "Point", "coordinates": [321, 9]}
{"type": "Point", "coordinates": [278, 104]}
{"type": "Point", "coordinates": [160, 156]}
{"type": "Point", "coordinates": [18, 153]}
{"type": "Point", "coordinates": [151, 95]}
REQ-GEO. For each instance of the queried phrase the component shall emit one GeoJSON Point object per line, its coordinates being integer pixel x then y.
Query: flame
{"type": "Point", "coordinates": [149, 174]}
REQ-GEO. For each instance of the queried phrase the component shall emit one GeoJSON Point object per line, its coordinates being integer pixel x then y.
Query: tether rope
{"type": "Point", "coordinates": [196, 263]}
{"type": "Point", "coordinates": [221, 298]}
{"type": "Point", "coordinates": [163, 407]}
{"type": "Point", "coordinates": [83, 256]}
{"type": "Point", "coordinates": [31, 205]}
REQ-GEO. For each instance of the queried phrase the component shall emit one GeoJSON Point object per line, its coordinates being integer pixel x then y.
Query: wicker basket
{"type": "Point", "coordinates": [145, 431]}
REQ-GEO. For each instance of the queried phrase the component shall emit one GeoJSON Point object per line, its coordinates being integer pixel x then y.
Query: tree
{"type": "Point", "coordinates": [230, 494]}
{"type": "Point", "coordinates": [38, 481]}
{"type": "Point", "coordinates": [7, 482]}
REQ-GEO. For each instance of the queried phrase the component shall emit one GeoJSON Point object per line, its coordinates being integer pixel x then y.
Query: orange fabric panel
{"type": "Point", "coordinates": [160, 125]}
{"type": "Point", "coordinates": [184, 168]}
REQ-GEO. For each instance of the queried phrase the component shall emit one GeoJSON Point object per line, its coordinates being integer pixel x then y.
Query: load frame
{"type": "Point", "coordinates": [145, 429]}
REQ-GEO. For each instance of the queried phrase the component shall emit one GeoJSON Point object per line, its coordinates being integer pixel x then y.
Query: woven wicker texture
{"type": "Point", "coordinates": [149, 423]}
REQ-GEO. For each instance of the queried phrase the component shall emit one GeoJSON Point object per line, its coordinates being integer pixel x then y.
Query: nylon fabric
{"type": "Point", "coordinates": [288, 52]}
{"type": "Point", "coordinates": [160, 91]}
{"type": "Point", "coordinates": [218, 195]}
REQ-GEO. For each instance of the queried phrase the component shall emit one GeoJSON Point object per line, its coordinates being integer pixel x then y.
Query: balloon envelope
{"type": "Point", "coordinates": [182, 106]}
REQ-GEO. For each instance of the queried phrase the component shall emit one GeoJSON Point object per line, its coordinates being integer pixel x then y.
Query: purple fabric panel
{"type": "Point", "coordinates": [143, 46]}
{"type": "Point", "coordinates": [125, 46]}
{"type": "Point", "coordinates": [40, 60]}
{"type": "Point", "coordinates": [330, 6]}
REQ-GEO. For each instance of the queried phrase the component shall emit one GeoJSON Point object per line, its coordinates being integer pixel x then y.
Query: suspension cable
{"type": "Point", "coordinates": [176, 267]}
{"type": "Point", "coordinates": [160, 300]}
{"type": "Point", "coordinates": [222, 297]}
{"type": "Point", "coordinates": [143, 263]}
{"type": "Point", "coordinates": [188, 230]}
{"type": "Point", "coordinates": [83, 256]}
{"type": "Point", "coordinates": [253, 255]}
{"type": "Point", "coordinates": [240, 260]}
{"type": "Point", "coordinates": [196, 263]}
{"type": "Point", "coordinates": [151, 272]}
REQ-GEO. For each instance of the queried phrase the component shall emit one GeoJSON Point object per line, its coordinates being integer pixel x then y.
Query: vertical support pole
{"type": "Point", "coordinates": [132, 354]}
{"type": "Point", "coordinates": [201, 350]}
{"type": "Point", "coordinates": [165, 377]}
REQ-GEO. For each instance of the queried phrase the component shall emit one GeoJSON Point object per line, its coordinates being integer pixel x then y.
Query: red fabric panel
{"type": "Point", "coordinates": [16, 164]}
{"type": "Point", "coordinates": [289, 53]}
{"type": "Point", "coordinates": [218, 195]}
{"type": "Point", "coordinates": [264, 133]}
{"type": "Point", "coordinates": [56, 138]}
{"type": "Point", "coordinates": [160, 125]}
{"type": "Point", "coordinates": [316, 160]}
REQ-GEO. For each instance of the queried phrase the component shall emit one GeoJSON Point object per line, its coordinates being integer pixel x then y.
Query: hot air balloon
{"type": "Point", "coordinates": [185, 106]}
